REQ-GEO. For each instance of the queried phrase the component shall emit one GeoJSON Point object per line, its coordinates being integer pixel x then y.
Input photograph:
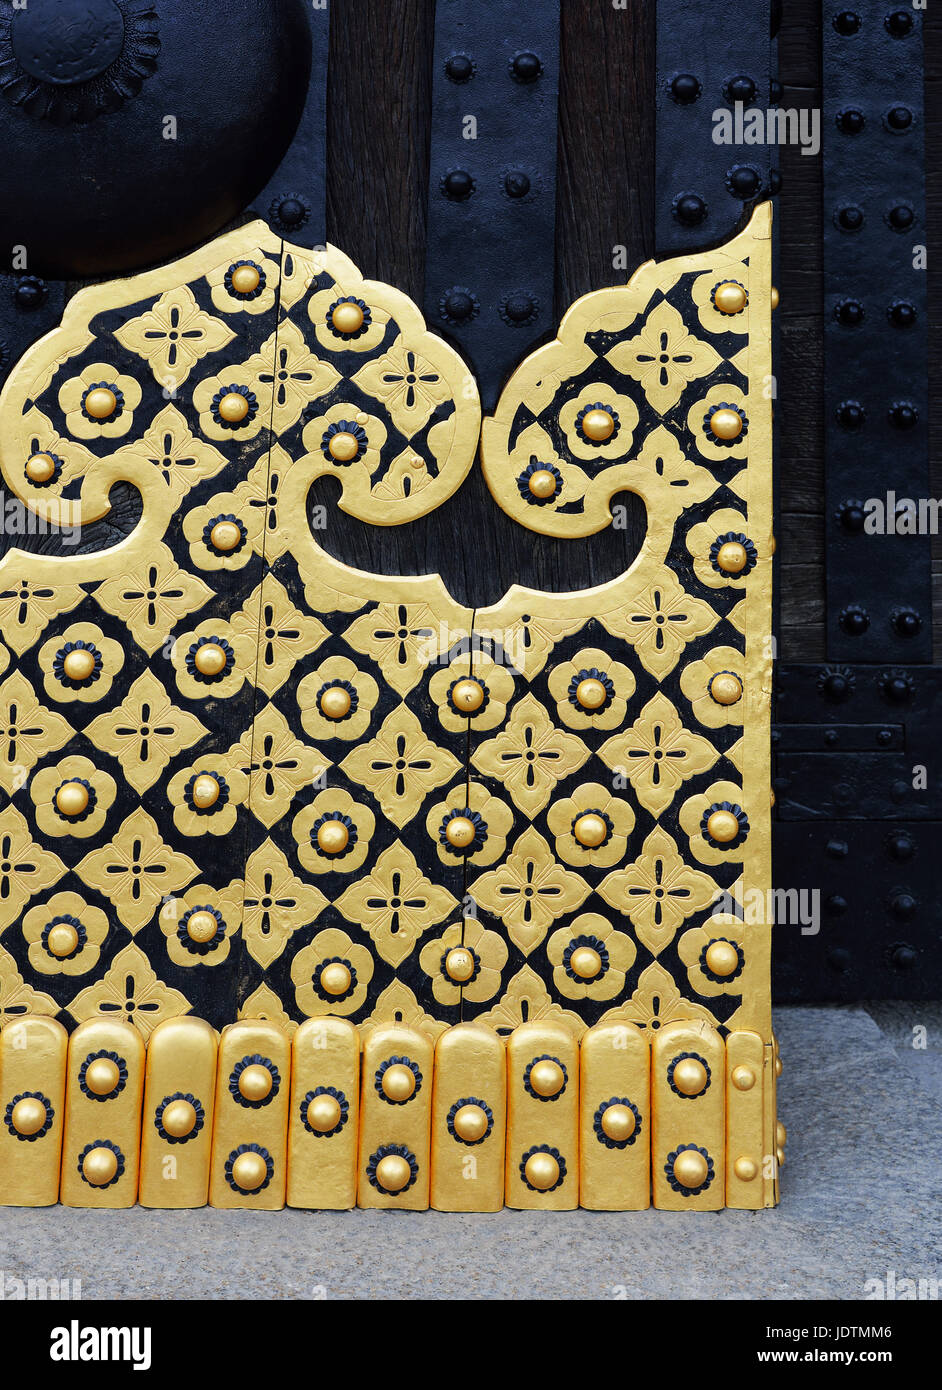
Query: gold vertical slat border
{"type": "Point", "coordinates": [96, 1127]}
{"type": "Point", "coordinates": [746, 1151]}
{"type": "Point", "coordinates": [545, 1129]}
{"type": "Point", "coordinates": [33, 1054]}
{"type": "Point", "coordinates": [395, 1131]}
{"type": "Point", "coordinates": [257, 1133]}
{"type": "Point", "coordinates": [324, 1116]}
{"type": "Point", "coordinates": [688, 1130]}
{"type": "Point", "coordinates": [469, 1120]}
{"type": "Point", "coordinates": [615, 1118]}
{"type": "Point", "coordinates": [179, 1090]}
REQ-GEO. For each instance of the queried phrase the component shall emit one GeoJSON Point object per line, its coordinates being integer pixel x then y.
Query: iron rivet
{"type": "Point", "coordinates": [685, 89]}
{"type": "Point", "coordinates": [850, 218]}
{"type": "Point", "coordinates": [907, 622]}
{"type": "Point", "coordinates": [526, 67]}
{"type": "Point", "coordinates": [847, 23]}
{"type": "Point", "coordinates": [690, 209]}
{"type": "Point", "coordinates": [899, 24]}
{"type": "Point", "coordinates": [742, 89]}
{"type": "Point", "coordinates": [459, 68]}
{"type": "Point", "coordinates": [517, 184]}
{"type": "Point", "coordinates": [854, 620]}
{"type": "Point", "coordinates": [837, 849]}
{"type": "Point", "coordinates": [458, 185]}
{"type": "Point", "coordinates": [898, 118]}
{"type": "Point", "coordinates": [902, 313]}
{"type": "Point", "coordinates": [851, 414]}
{"type": "Point", "coordinates": [849, 312]}
{"type": "Point", "coordinates": [851, 121]}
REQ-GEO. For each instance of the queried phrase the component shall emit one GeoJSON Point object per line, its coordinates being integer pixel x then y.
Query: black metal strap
{"type": "Point", "coordinates": [29, 307]}
{"type": "Point", "coordinates": [492, 182]}
{"type": "Point", "coordinates": [707, 64]}
{"type": "Point", "coordinates": [876, 385]}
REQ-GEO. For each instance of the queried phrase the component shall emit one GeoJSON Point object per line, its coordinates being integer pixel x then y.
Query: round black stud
{"type": "Point", "coordinates": [900, 218]}
{"type": "Point", "coordinates": [851, 121]}
{"type": "Point", "coordinates": [884, 737]}
{"type": "Point", "coordinates": [743, 181]}
{"type": "Point", "coordinates": [526, 67]}
{"type": "Point", "coordinates": [292, 212]}
{"type": "Point", "coordinates": [742, 89]}
{"type": "Point", "coordinates": [903, 905]}
{"type": "Point", "coordinates": [30, 292]}
{"type": "Point", "coordinates": [517, 184]}
{"type": "Point", "coordinates": [847, 23]}
{"type": "Point", "coordinates": [775, 181]}
{"type": "Point", "coordinates": [901, 313]}
{"type": "Point", "coordinates": [896, 686]}
{"type": "Point", "coordinates": [685, 89]}
{"type": "Point", "coordinates": [836, 904]}
{"type": "Point", "coordinates": [900, 846]}
{"type": "Point", "coordinates": [898, 119]}
{"type": "Point", "coordinates": [854, 620]}
{"type": "Point", "coordinates": [849, 312]}
{"type": "Point", "coordinates": [519, 308]}
{"type": "Point", "coordinates": [838, 959]}
{"type": "Point", "coordinates": [904, 957]}
{"type": "Point", "coordinates": [458, 305]}
{"type": "Point", "coordinates": [836, 683]}
{"type": "Point", "coordinates": [776, 91]}
{"type": "Point", "coordinates": [837, 849]}
{"type": "Point", "coordinates": [457, 185]}
{"type": "Point", "coordinates": [459, 68]}
{"type": "Point", "coordinates": [899, 24]}
{"type": "Point", "coordinates": [690, 209]}
{"type": "Point", "coordinates": [849, 219]}
{"type": "Point", "coordinates": [903, 415]}
{"type": "Point", "coordinates": [851, 415]}
{"type": "Point", "coordinates": [906, 622]}
{"type": "Point", "coordinates": [831, 737]}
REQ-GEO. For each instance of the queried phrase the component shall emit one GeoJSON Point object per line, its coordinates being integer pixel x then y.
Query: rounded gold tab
{"type": "Point", "coordinates": [78, 664]}
{"type": "Point", "coordinates": [723, 827]}
{"type": "Point", "coordinates": [335, 702]}
{"type": "Point", "coordinates": [40, 468]}
{"type": "Point", "coordinates": [726, 688]}
{"type": "Point", "coordinates": [398, 1082]}
{"type": "Point", "coordinates": [246, 279]}
{"type": "Point", "coordinates": [255, 1082]}
{"type": "Point", "coordinates": [773, 297]}
{"type": "Point", "coordinates": [249, 1171]}
{"type": "Point", "coordinates": [467, 696]}
{"type": "Point", "coordinates": [210, 659]}
{"type": "Point", "coordinates": [459, 964]}
{"type": "Point", "coordinates": [732, 557]}
{"type": "Point", "coordinates": [618, 1122]}
{"type": "Point", "coordinates": [28, 1116]}
{"type": "Point", "coordinates": [72, 799]}
{"type": "Point", "coordinates": [99, 1166]}
{"type": "Point", "coordinates": [743, 1078]}
{"type": "Point", "coordinates": [335, 978]}
{"type": "Point", "coordinates": [459, 832]}
{"type": "Point", "coordinates": [598, 424]}
{"type": "Point", "coordinates": [722, 958]}
{"type": "Point", "coordinates": [100, 403]}
{"type": "Point", "coordinates": [781, 1134]}
{"type": "Point", "coordinates": [347, 318]}
{"type": "Point", "coordinates": [343, 446]}
{"type": "Point", "coordinates": [547, 1077]}
{"type": "Point", "coordinates": [726, 423]}
{"type": "Point", "coordinates": [102, 1076]}
{"type": "Point", "coordinates": [591, 693]}
{"type": "Point", "coordinates": [585, 962]}
{"type": "Point", "coordinates": [470, 1123]}
{"type": "Point", "coordinates": [62, 940]}
{"type": "Point", "coordinates": [542, 483]}
{"type": "Point", "coordinates": [730, 297]}
{"type": "Point", "coordinates": [541, 1171]}
{"type": "Point", "coordinates": [234, 407]}
{"type": "Point", "coordinates": [201, 926]}
{"type": "Point", "coordinates": [780, 1157]}
{"type": "Point", "coordinates": [745, 1168]}
{"type": "Point", "coordinates": [590, 830]}
{"type": "Point", "coordinates": [225, 536]}
{"type": "Point", "coordinates": [324, 1113]}
{"type": "Point", "coordinates": [393, 1173]}
{"type": "Point", "coordinates": [179, 1118]}
{"type": "Point", "coordinates": [691, 1168]}
{"type": "Point", "coordinates": [332, 837]}
{"type": "Point", "coordinates": [206, 791]}
{"type": "Point", "coordinates": [689, 1076]}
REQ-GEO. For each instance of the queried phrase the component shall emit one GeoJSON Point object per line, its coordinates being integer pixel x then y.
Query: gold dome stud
{"type": "Point", "coordinates": [324, 1113]}
{"type": "Point", "coordinates": [722, 958]}
{"type": "Point", "coordinates": [773, 298]}
{"type": "Point", "coordinates": [689, 1076]}
{"type": "Point", "coordinates": [781, 1135]}
{"type": "Point", "coordinates": [541, 1171]}
{"type": "Point", "coordinates": [343, 446]}
{"type": "Point", "coordinates": [585, 962]}
{"type": "Point", "coordinates": [459, 964]}
{"type": "Point", "coordinates": [179, 1118]}
{"type": "Point", "coordinates": [618, 1122]}
{"type": "Point", "coordinates": [778, 1066]}
{"type": "Point", "coordinates": [102, 1076]}
{"type": "Point", "coordinates": [335, 702]}
{"type": "Point", "coordinates": [598, 425]}
{"type": "Point", "coordinates": [332, 837]}
{"type": "Point", "coordinates": [347, 318]}
{"type": "Point", "coordinates": [590, 830]}
{"type": "Point", "coordinates": [547, 1077]}
{"type": "Point", "coordinates": [246, 279]}
{"type": "Point", "coordinates": [398, 1083]}
{"type": "Point", "coordinates": [460, 832]}
{"type": "Point", "coordinates": [393, 1173]}
{"type": "Point", "coordinates": [743, 1078]}
{"type": "Point", "coordinates": [335, 978]}
{"type": "Point", "coordinates": [255, 1082]}
{"type": "Point", "coordinates": [691, 1168]}
{"type": "Point", "coordinates": [202, 926]}
{"type": "Point", "coordinates": [78, 664]}
{"type": "Point", "coordinates": [100, 1166]}
{"type": "Point", "coordinates": [722, 826]}
{"type": "Point", "coordinates": [206, 791]}
{"type": "Point", "coordinates": [780, 1157]}
{"type": "Point", "coordinates": [62, 940]}
{"type": "Point", "coordinates": [249, 1171]}
{"type": "Point", "coordinates": [28, 1116]}
{"type": "Point", "coordinates": [726, 423]}
{"type": "Point", "coordinates": [591, 693]}
{"type": "Point", "coordinates": [100, 403]}
{"type": "Point", "coordinates": [730, 297]}
{"type": "Point", "coordinates": [732, 557]}
{"type": "Point", "coordinates": [745, 1168]}
{"type": "Point", "coordinates": [726, 688]}
{"type": "Point", "coordinates": [72, 799]}
{"type": "Point", "coordinates": [470, 1123]}
{"type": "Point", "coordinates": [210, 659]}
{"type": "Point", "coordinates": [467, 696]}
{"type": "Point", "coordinates": [234, 407]}
{"type": "Point", "coordinates": [41, 468]}
{"type": "Point", "coordinates": [542, 483]}
{"type": "Point", "coordinates": [225, 536]}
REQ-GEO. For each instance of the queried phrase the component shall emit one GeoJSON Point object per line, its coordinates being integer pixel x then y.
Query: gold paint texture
{"type": "Point", "coordinates": [680, 1121]}
{"type": "Point", "coordinates": [406, 1125]}
{"type": "Point", "coordinates": [745, 1124]}
{"type": "Point", "coordinates": [115, 1119]}
{"type": "Point", "coordinates": [181, 1062]}
{"type": "Point", "coordinates": [615, 1069]}
{"type": "Point", "coordinates": [470, 1070]}
{"type": "Point", "coordinates": [265, 1126]}
{"type": "Point", "coordinates": [537, 1123]}
{"type": "Point", "coordinates": [322, 1167]}
{"type": "Point", "coordinates": [33, 1053]}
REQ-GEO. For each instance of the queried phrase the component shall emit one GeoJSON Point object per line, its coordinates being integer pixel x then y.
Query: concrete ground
{"type": "Point", "coordinates": [860, 1199]}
